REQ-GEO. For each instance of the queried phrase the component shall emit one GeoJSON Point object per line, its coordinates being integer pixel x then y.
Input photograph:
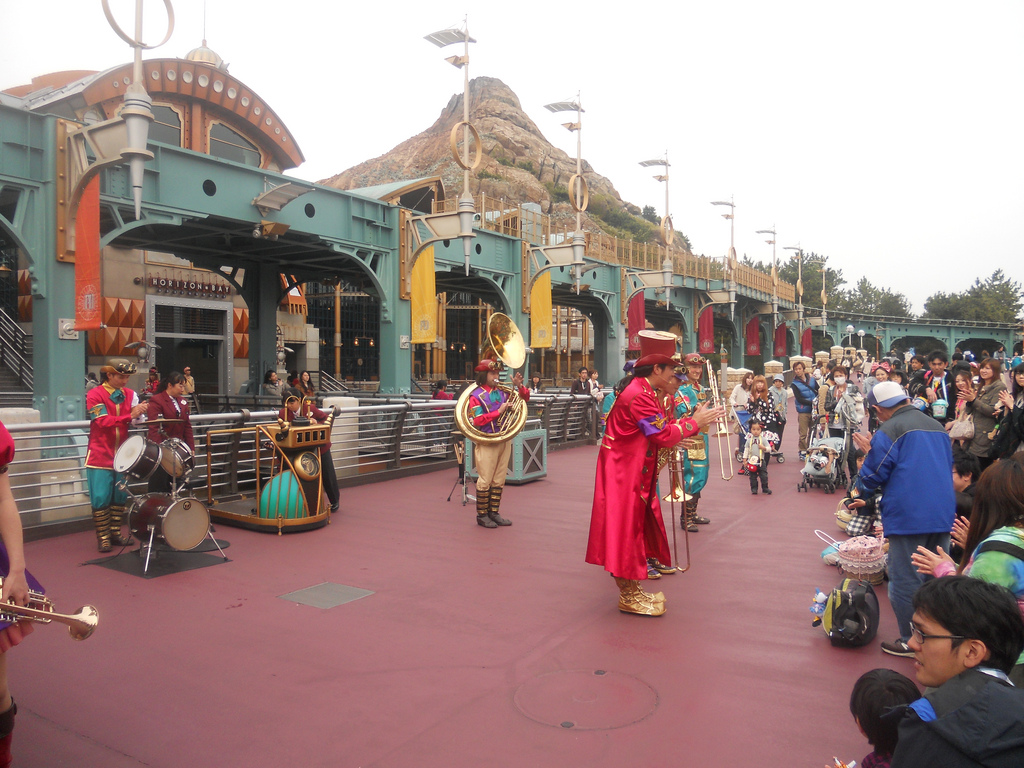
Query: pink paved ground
{"type": "Point", "coordinates": [211, 668]}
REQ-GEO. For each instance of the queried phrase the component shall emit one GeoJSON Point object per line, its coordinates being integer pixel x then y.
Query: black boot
{"type": "Point", "coordinates": [694, 517]}
{"type": "Point", "coordinates": [483, 507]}
{"type": "Point", "coordinates": [7, 734]}
{"type": "Point", "coordinates": [495, 503]}
{"type": "Point", "coordinates": [116, 521]}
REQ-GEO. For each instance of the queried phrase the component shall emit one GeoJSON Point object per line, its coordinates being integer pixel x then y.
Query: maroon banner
{"type": "Point", "coordinates": [87, 259]}
{"type": "Point", "coordinates": [706, 332]}
{"type": "Point", "coordinates": [636, 320]}
{"type": "Point", "coordinates": [780, 341]}
{"type": "Point", "coordinates": [753, 336]}
{"type": "Point", "coordinates": [806, 348]}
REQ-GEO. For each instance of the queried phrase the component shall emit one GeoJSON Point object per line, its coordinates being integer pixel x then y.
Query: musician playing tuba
{"type": "Point", "coordinates": [626, 525]}
{"type": "Point", "coordinates": [488, 404]}
{"type": "Point", "coordinates": [695, 453]}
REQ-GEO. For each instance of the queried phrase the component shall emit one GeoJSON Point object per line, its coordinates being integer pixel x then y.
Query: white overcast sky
{"type": "Point", "coordinates": [886, 134]}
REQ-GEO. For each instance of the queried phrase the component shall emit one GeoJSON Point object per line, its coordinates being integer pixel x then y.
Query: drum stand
{"type": "Point", "coordinates": [460, 454]}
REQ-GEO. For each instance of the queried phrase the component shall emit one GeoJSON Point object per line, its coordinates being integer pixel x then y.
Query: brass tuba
{"type": "Point", "coordinates": [504, 338]}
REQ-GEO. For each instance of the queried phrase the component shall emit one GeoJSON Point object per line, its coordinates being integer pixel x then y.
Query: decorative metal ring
{"type": "Point", "coordinates": [584, 192]}
{"type": "Point", "coordinates": [454, 141]}
{"type": "Point", "coordinates": [131, 40]}
{"type": "Point", "coordinates": [667, 230]}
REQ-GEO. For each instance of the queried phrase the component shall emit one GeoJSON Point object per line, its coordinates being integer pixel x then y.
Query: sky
{"type": "Point", "coordinates": [886, 135]}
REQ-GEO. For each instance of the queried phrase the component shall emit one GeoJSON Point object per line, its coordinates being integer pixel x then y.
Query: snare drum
{"type": "Point", "coordinates": [182, 523]}
{"type": "Point", "coordinates": [176, 458]}
{"type": "Point", "coordinates": [138, 457]}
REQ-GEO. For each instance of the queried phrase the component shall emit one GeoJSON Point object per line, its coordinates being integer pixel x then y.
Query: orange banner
{"type": "Point", "coordinates": [87, 259]}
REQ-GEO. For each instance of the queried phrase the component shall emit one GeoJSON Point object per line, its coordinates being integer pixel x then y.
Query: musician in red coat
{"type": "Point", "coordinates": [168, 403]}
{"type": "Point", "coordinates": [110, 411]}
{"type": "Point", "coordinates": [626, 525]}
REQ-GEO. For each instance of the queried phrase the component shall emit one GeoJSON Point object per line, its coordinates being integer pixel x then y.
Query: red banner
{"type": "Point", "coordinates": [753, 335]}
{"type": "Point", "coordinates": [706, 332]}
{"type": "Point", "coordinates": [87, 259]}
{"type": "Point", "coordinates": [780, 341]}
{"type": "Point", "coordinates": [806, 348]}
{"type": "Point", "coordinates": [636, 320]}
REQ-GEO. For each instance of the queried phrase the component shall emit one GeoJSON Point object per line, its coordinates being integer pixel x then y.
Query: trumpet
{"type": "Point", "coordinates": [722, 428]}
{"type": "Point", "coordinates": [39, 609]}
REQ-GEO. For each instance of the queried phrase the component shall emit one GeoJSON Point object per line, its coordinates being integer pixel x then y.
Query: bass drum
{"type": "Point", "coordinates": [182, 523]}
{"type": "Point", "coordinates": [282, 497]}
{"type": "Point", "coordinates": [137, 457]}
{"type": "Point", "coordinates": [176, 458]}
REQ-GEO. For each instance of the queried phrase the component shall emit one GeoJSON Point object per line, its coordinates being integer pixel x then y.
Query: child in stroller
{"type": "Point", "coordinates": [825, 465]}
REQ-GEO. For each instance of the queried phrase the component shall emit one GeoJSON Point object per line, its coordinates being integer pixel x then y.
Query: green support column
{"type": "Point", "coordinates": [262, 293]}
{"type": "Point", "coordinates": [59, 363]}
{"type": "Point", "coordinates": [395, 321]}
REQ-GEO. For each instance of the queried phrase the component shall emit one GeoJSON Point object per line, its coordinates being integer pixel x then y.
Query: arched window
{"type": "Point", "coordinates": [231, 145]}
{"type": "Point", "coordinates": [166, 128]}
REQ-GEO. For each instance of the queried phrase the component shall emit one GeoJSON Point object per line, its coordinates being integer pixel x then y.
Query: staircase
{"type": "Point", "coordinates": [16, 375]}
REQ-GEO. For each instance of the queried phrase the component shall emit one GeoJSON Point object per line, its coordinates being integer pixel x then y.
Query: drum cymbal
{"type": "Point", "coordinates": [164, 421]}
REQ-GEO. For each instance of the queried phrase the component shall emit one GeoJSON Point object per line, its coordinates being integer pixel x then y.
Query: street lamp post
{"type": "Point", "coordinates": [667, 229]}
{"type": "Point", "coordinates": [730, 259]}
{"type": "Point", "coordinates": [799, 290]}
{"type": "Point", "coordinates": [466, 205]}
{"type": "Point", "coordinates": [579, 196]}
{"type": "Point", "coordinates": [849, 332]}
{"type": "Point", "coordinates": [775, 276]}
{"type": "Point", "coordinates": [861, 334]}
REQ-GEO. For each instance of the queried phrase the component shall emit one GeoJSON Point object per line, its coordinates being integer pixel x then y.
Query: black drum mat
{"type": "Point", "coordinates": [164, 560]}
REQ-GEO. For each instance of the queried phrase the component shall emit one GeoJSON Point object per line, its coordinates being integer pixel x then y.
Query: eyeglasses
{"type": "Point", "coordinates": [920, 636]}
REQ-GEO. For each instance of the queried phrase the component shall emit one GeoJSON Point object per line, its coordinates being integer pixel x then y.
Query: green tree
{"type": "Point", "coordinates": [869, 299]}
{"type": "Point", "coordinates": [812, 279]}
{"type": "Point", "coordinates": [651, 215]}
{"type": "Point", "coordinates": [996, 299]}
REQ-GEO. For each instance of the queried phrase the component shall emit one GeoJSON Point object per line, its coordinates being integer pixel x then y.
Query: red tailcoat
{"type": "Point", "coordinates": [626, 526]}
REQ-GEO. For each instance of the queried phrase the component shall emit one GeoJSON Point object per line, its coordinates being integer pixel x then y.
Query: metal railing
{"type": "Point", "coordinates": [16, 350]}
{"type": "Point", "coordinates": [369, 443]}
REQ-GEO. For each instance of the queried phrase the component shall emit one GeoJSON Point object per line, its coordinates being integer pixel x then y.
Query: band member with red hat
{"type": "Point", "coordinates": [487, 403]}
{"type": "Point", "coordinates": [626, 525]}
{"type": "Point", "coordinates": [110, 411]}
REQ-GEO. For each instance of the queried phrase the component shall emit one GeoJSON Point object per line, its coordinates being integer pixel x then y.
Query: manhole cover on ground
{"type": "Point", "coordinates": [586, 699]}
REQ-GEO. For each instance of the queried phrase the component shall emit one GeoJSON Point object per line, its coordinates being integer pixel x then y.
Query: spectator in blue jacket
{"type": "Point", "coordinates": [805, 389]}
{"type": "Point", "coordinates": [909, 460]}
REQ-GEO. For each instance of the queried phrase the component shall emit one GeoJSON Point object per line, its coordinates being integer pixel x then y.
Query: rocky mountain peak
{"type": "Point", "coordinates": [519, 164]}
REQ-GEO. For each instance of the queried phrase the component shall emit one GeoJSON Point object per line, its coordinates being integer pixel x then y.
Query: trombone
{"type": "Point", "coordinates": [721, 426]}
{"type": "Point", "coordinates": [673, 458]}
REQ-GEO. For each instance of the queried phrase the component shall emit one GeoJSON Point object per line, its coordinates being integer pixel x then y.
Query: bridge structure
{"type": "Point", "coordinates": [882, 333]}
{"type": "Point", "coordinates": [251, 225]}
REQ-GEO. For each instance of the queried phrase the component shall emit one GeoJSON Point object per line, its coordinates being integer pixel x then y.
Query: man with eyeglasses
{"type": "Point", "coordinates": [966, 635]}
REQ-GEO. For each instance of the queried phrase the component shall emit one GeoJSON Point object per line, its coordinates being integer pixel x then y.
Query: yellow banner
{"type": "Point", "coordinates": [540, 312]}
{"type": "Point", "coordinates": [424, 299]}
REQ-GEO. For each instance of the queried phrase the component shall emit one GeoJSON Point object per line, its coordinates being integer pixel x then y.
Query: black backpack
{"type": "Point", "coordinates": [851, 614]}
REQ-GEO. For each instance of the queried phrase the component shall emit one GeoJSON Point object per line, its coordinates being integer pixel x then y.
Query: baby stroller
{"type": "Point", "coordinates": [825, 466]}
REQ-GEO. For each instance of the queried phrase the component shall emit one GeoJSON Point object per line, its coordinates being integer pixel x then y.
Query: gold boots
{"type": "Point", "coordinates": [483, 508]}
{"type": "Point", "coordinates": [632, 599]}
{"type": "Point", "coordinates": [495, 503]}
{"type": "Point", "coordinates": [101, 519]}
{"type": "Point", "coordinates": [116, 521]}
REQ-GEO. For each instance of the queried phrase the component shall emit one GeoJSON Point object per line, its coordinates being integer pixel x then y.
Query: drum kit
{"type": "Point", "coordinates": [179, 521]}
